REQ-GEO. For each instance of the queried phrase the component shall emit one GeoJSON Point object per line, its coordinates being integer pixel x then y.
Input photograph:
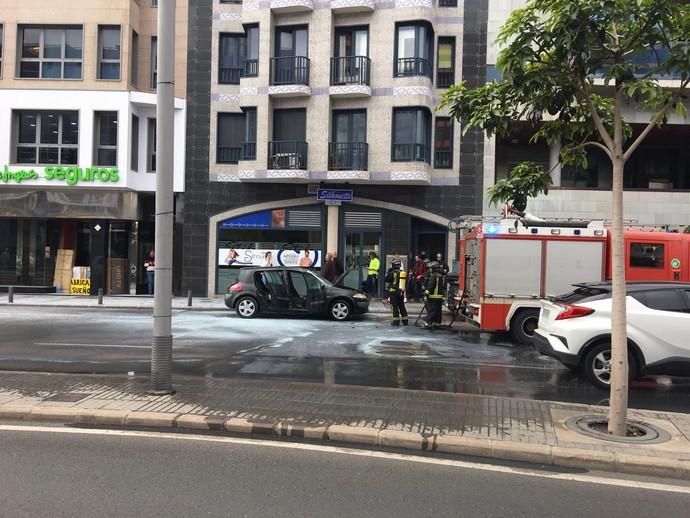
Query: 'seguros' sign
{"type": "Point", "coordinates": [70, 175]}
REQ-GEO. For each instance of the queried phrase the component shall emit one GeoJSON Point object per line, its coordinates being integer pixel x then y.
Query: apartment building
{"type": "Point", "coordinates": [77, 138]}
{"type": "Point", "coordinates": [341, 94]}
{"type": "Point", "coordinates": [657, 176]}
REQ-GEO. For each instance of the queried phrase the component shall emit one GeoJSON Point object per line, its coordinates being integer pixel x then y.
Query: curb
{"type": "Point", "coordinates": [541, 454]}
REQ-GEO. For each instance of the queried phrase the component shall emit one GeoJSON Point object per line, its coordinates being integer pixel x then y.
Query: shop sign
{"type": "Point", "coordinates": [68, 175]}
{"type": "Point", "coordinates": [331, 195]}
{"type": "Point", "coordinates": [80, 287]}
{"type": "Point", "coordinates": [265, 257]}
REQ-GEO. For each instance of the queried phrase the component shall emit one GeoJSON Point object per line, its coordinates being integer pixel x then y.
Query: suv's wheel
{"type": "Point", "coordinates": [247, 307]}
{"type": "Point", "coordinates": [597, 365]}
{"type": "Point", "coordinates": [523, 324]}
{"type": "Point", "coordinates": [340, 310]}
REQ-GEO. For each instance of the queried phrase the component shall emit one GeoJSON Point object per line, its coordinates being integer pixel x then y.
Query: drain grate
{"type": "Point", "coordinates": [68, 397]}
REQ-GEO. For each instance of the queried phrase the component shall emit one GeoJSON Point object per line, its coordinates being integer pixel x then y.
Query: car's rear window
{"type": "Point", "coordinates": [583, 294]}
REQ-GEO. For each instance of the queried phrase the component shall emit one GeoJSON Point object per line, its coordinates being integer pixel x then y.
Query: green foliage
{"type": "Point", "coordinates": [526, 180]}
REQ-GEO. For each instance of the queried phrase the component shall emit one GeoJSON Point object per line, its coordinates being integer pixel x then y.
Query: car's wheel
{"type": "Point", "coordinates": [597, 365]}
{"type": "Point", "coordinates": [340, 310]}
{"type": "Point", "coordinates": [523, 324]}
{"type": "Point", "coordinates": [247, 307]}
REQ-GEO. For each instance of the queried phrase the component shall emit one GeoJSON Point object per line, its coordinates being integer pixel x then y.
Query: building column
{"type": "Point", "coordinates": [554, 165]}
{"type": "Point", "coordinates": [332, 228]}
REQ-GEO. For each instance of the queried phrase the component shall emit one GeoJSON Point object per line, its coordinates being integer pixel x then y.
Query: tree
{"type": "Point", "coordinates": [526, 180]}
{"type": "Point", "coordinates": [572, 67]}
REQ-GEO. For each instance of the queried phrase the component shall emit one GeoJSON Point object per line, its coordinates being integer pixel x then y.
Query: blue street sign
{"type": "Point", "coordinates": [334, 195]}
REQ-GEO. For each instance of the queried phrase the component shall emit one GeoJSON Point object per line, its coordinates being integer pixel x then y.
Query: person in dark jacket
{"type": "Point", "coordinates": [328, 270]}
{"type": "Point", "coordinates": [395, 287]}
{"type": "Point", "coordinates": [434, 293]}
{"type": "Point", "coordinates": [338, 264]}
{"type": "Point", "coordinates": [417, 274]}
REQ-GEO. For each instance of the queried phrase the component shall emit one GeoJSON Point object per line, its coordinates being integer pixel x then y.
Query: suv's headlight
{"type": "Point", "coordinates": [359, 296]}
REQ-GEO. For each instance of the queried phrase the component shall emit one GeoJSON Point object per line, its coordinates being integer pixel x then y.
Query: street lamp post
{"type": "Point", "coordinates": [161, 347]}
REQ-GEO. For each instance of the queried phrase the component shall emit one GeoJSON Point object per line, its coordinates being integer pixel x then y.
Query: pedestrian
{"type": "Point", "coordinates": [328, 270]}
{"type": "Point", "coordinates": [373, 274]}
{"type": "Point", "coordinates": [434, 293]}
{"type": "Point", "coordinates": [150, 265]}
{"type": "Point", "coordinates": [418, 274]}
{"type": "Point", "coordinates": [395, 286]}
{"type": "Point", "coordinates": [338, 265]}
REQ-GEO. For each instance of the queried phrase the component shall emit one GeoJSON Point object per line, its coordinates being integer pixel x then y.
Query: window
{"type": "Point", "coordinates": [46, 137]}
{"type": "Point", "coordinates": [50, 52]}
{"type": "Point", "coordinates": [154, 62]}
{"type": "Point", "coordinates": [298, 287]}
{"type": "Point", "coordinates": [151, 147]}
{"type": "Point", "coordinates": [291, 62]}
{"type": "Point", "coordinates": [251, 62]}
{"type": "Point", "coordinates": [134, 158]}
{"type": "Point", "coordinates": [232, 51]}
{"type": "Point", "coordinates": [288, 149]}
{"type": "Point", "coordinates": [249, 144]}
{"type": "Point", "coordinates": [411, 135]}
{"type": "Point", "coordinates": [664, 300]}
{"type": "Point", "coordinates": [351, 64]}
{"type": "Point", "coordinates": [105, 138]}
{"type": "Point", "coordinates": [231, 131]}
{"type": "Point", "coordinates": [447, 3]}
{"type": "Point", "coordinates": [445, 69]}
{"type": "Point", "coordinates": [109, 52]}
{"type": "Point", "coordinates": [413, 51]}
{"type": "Point", "coordinates": [134, 59]}
{"type": "Point", "coordinates": [647, 255]}
{"type": "Point", "coordinates": [443, 143]}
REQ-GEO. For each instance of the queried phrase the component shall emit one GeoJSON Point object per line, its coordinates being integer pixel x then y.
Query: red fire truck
{"type": "Point", "coordinates": [507, 266]}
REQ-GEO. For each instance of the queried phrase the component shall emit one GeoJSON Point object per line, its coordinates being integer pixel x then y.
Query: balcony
{"type": "Point", "coordinates": [289, 76]}
{"type": "Point", "coordinates": [287, 155]}
{"type": "Point", "coordinates": [411, 153]}
{"type": "Point", "coordinates": [409, 67]}
{"type": "Point", "coordinates": [443, 159]}
{"type": "Point", "coordinates": [248, 150]}
{"type": "Point", "coordinates": [445, 78]}
{"type": "Point", "coordinates": [348, 156]}
{"type": "Point", "coordinates": [228, 155]}
{"type": "Point", "coordinates": [350, 76]}
{"type": "Point", "coordinates": [292, 6]}
{"type": "Point", "coordinates": [352, 6]}
{"type": "Point", "coordinates": [229, 75]}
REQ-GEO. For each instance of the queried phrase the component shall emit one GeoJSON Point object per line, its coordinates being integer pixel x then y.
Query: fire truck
{"type": "Point", "coordinates": [508, 265]}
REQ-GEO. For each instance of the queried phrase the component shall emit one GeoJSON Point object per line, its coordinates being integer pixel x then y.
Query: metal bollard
{"type": "Point", "coordinates": [189, 298]}
{"type": "Point", "coordinates": [100, 296]}
{"type": "Point", "coordinates": [10, 294]}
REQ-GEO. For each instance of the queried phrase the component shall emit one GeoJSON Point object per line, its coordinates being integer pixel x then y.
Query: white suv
{"type": "Point", "coordinates": [575, 328]}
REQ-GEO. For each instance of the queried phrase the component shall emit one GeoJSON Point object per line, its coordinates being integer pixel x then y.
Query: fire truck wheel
{"type": "Point", "coordinates": [597, 365]}
{"type": "Point", "coordinates": [523, 324]}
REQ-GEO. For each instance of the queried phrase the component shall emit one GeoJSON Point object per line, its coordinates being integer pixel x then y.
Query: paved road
{"type": "Point", "coordinates": [46, 474]}
{"type": "Point", "coordinates": [366, 351]}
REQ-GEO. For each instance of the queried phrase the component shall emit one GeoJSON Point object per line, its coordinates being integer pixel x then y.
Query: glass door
{"type": "Point", "coordinates": [358, 245]}
{"type": "Point", "coordinates": [349, 149]}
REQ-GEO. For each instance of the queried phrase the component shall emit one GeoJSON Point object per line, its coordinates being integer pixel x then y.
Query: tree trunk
{"type": "Point", "coordinates": [619, 342]}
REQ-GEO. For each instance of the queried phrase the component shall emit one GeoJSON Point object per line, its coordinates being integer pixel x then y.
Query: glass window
{"type": "Point", "coordinates": [411, 135]}
{"type": "Point", "coordinates": [151, 149]}
{"type": "Point", "coordinates": [298, 285]}
{"type": "Point", "coordinates": [647, 255]}
{"type": "Point", "coordinates": [445, 70]}
{"type": "Point", "coordinates": [443, 143]}
{"type": "Point", "coordinates": [232, 52]}
{"type": "Point", "coordinates": [50, 52]}
{"type": "Point", "coordinates": [154, 62]}
{"type": "Point", "coordinates": [251, 63]}
{"type": "Point", "coordinates": [134, 59]}
{"type": "Point", "coordinates": [134, 158]}
{"type": "Point", "coordinates": [231, 131]}
{"type": "Point", "coordinates": [413, 51]}
{"type": "Point", "coordinates": [109, 52]}
{"type": "Point", "coordinates": [105, 135]}
{"type": "Point", "coordinates": [665, 300]}
{"type": "Point", "coordinates": [46, 137]}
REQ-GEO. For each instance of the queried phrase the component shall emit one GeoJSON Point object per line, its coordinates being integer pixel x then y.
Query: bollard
{"type": "Point", "coordinates": [189, 298]}
{"type": "Point", "coordinates": [100, 296]}
{"type": "Point", "coordinates": [10, 294]}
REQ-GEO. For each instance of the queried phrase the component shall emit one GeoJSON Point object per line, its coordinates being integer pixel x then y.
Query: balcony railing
{"type": "Point", "coordinates": [411, 153]}
{"type": "Point", "coordinates": [445, 78]}
{"type": "Point", "coordinates": [289, 154]}
{"type": "Point", "coordinates": [290, 70]}
{"type": "Point", "coordinates": [443, 159]}
{"type": "Point", "coordinates": [350, 70]}
{"type": "Point", "coordinates": [228, 155]}
{"type": "Point", "coordinates": [229, 75]}
{"type": "Point", "coordinates": [251, 68]}
{"type": "Point", "coordinates": [348, 156]}
{"type": "Point", "coordinates": [248, 150]}
{"type": "Point", "coordinates": [412, 67]}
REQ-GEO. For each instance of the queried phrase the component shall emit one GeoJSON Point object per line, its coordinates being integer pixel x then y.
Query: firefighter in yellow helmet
{"type": "Point", "coordinates": [396, 280]}
{"type": "Point", "coordinates": [434, 292]}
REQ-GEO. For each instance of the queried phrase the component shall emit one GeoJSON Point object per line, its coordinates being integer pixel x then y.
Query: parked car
{"type": "Point", "coordinates": [292, 291]}
{"type": "Point", "coordinates": [575, 328]}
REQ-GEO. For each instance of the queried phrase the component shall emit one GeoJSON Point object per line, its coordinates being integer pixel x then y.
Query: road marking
{"type": "Point", "coordinates": [119, 346]}
{"type": "Point", "coordinates": [634, 484]}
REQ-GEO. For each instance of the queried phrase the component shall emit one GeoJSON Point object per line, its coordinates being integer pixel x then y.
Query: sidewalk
{"type": "Point", "coordinates": [146, 302]}
{"type": "Point", "coordinates": [500, 428]}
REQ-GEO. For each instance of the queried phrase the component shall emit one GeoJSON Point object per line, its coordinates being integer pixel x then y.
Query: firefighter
{"type": "Point", "coordinates": [434, 293]}
{"type": "Point", "coordinates": [396, 279]}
